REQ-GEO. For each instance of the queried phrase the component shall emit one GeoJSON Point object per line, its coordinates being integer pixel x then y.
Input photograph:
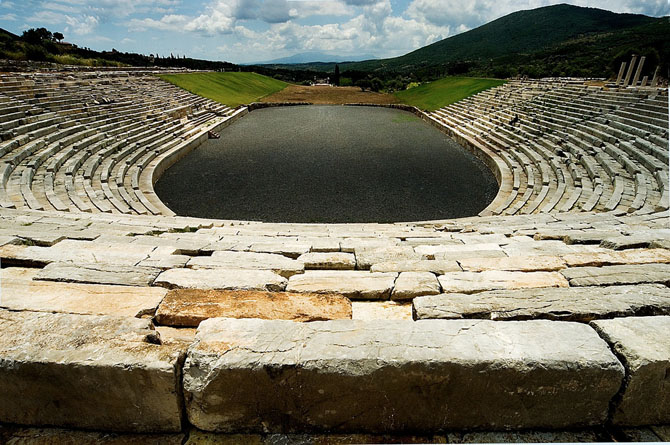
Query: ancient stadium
{"type": "Point", "coordinates": [545, 318]}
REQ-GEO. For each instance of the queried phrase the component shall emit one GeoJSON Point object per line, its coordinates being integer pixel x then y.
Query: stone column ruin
{"type": "Point", "coordinates": [639, 71]}
{"type": "Point", "coordinates": [621, 71]}
{"type": "Point", "coordinates": [630, 71]}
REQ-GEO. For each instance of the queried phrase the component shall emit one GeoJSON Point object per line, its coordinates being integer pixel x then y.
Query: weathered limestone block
{"type": "Point", "coordinates": [292, 249]}
{"type": "Point", "coordinates": [165, 261]}
{"type": "Point", "coordinates": [85, 371]}
{"type": "Point", "coordinates": [636, 240]}
{"type": "Point", "coordinates": [99, 274]}
{"type": "Point", "coordinates": [440, 251]}
{"type": "Point", "coordinates": [20, 292]}
{"type": "Point", "coordinates": [547, 263]}
{"type": "Point", "coordinates": [188, 307]}
{"type": "Point", "coordinates": [470, 282]}
{"type": "Point", "coordinates": [371, 243]}
{"type": "Point", "coordinates": [413, 284]}
{"type": "Point", "coordinates": [221, 279]}
{"type": "Point", "coordinates": [280, 264]}
{"type": "Point", "coordinates": [366, 257]}
{"type": "Point", "coordinates": [393, 376]}
{"type": "Point", "coordinates": [660, 244]}
{"type": "Point", "coordinates": [623, 274]}
{"type": "Point", "coordinates": [457, 256]}
{"type": "Point", "coordinates": [435, 266]}
{"type": "Point", "coordinates": [589, 236]}
{"type": "Point", "coordinates": [573, 304]}
{"type": "Point", "coordinates": [643, 343]}
{"type": "Point", "coordinates": [612, 258]}
{"type": "Point", "coordinates": [328, 260]}
{"type": "Point", "coordinates": [78, 252]}
{"type": "Point", "coordinates": [8, 239]}
{"type": "Point", "coordinates": [381, 310]}
{"type": "Point", "coordinates": [357, 285]}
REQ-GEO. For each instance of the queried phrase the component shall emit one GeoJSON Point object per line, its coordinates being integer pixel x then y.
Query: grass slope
{"type": "Point", "coordinates": [232, 89]}
{"type": "Point", "coordinates": [433, 95]}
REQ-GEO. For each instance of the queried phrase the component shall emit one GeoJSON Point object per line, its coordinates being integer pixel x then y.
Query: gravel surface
{"type": "Point", "coordinates": [328, 164]}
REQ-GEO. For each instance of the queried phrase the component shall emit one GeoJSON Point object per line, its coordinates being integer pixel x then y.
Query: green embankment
{"type": "Point", "coordinates": [231, 89]}
{"type": "Point", "coordinates": [442, 92]}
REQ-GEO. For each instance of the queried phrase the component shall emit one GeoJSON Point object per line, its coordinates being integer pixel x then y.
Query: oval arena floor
{"type": "Point", "coordinates": [545, 318]}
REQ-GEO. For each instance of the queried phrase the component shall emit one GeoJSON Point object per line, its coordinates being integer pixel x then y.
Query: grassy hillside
{"type": "Point", "coordinates": [232, 89]}
{"type": "Point", "coordinates": [433, 95]}
{"type": "Point", "coordinates": [519, 32]}
{"type": "Point", "coordinates": [560, 40]}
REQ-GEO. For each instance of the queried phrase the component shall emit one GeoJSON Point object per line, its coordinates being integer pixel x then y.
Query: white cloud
{"type": "Point", "coordinates": [9, 17]}
{"type": "Point", "coordinates": [477, 12]}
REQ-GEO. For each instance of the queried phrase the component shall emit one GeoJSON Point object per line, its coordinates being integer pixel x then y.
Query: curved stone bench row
{"type": "Point", "coordinates": [569, 147]}
{"type": "Point", "coordinates": [88, 154]}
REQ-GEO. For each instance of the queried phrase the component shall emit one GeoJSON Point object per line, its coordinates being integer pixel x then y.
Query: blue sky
{"type": "Point", "coordinates": [243, 31]}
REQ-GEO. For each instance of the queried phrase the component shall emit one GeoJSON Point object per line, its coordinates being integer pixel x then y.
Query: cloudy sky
{"type": "Point", "coordinates": [244, 31]}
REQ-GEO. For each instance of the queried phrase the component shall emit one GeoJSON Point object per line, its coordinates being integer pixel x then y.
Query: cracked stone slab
{"type": "Point", "coordinates": [95, 372]}
{"type": "Point", "coordinates": [548, 248]}
{"type": "Point", "coordinates": [574, 304]}
{"type": "Point", "coordinates": [636, 240]}
{"type": "Point", "coordinates": [457, 256]}
{"type": "Point", "coordinates": [356, 285]}
{"type": "Point", "coordinates": [99, 274]}
{"type": "Point", "coordinates": [643, 344]}
{"type": "Point", "coordinates": [394, 375]}
{"type": "Point", "coordinates": [589, 236]}
{"type": "Point", "coordinates": [612, 258]}
{"type": "Point", "coordinates": [78, 252]}
{"type": "Point", "coordinates": [413, 284]}
{"type": "Point", "coordinates": [223, 279]}
{"type": "Point", "coordinates": [434, 266]}
{"type": "Point", "coordinates": [470, 282]}
{"type": "Point", "coordinates": [189, 307]}
{"type": "Point", "coordinates": [381, 310]}
{"type": "Point", "coordinates": [660, 244]}
{"type": "Point", "coordinates": [538, 263]}
{"type": "Point", "coordinates": [21, 292]}
{"type": "Point", "coordinates": [4, 239]}
{"type": "Point", "coordinates": [286, 267]}
{"type": "Point", "coordinates": [291, 249]}
{"type": "Point", "coordinates": [328, 260]}
{"type": "Point", "coordinates": [429, 252]}
{"type": "Point", "coordinates": [366, 257]}
{"type": "Point", "coordinates": [622, 274]}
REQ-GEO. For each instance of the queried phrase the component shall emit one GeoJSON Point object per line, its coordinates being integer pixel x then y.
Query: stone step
{"type": "Point", "coordinates": [20, 291]}
{"type": "Point", "coordinates": [643, 346]}
{"type": "Point", "coordinates": [91, 372]}
{"type": "Point", "coordinates": [397, 376]}
{"type": "Point", "coordinates": [356, 285]}
{"type": "Point", "coordinates": [222, 279]}
{"type": "Point", "coordinates": [189, 307]}
{"type": "Point", "coordinates": [573, 304]}
{"type": "Point", "coordinates": [471, 282]}
{"type": "Point", "coordinates": [620, 274]}
{"type": "Point", "coordinates": [99, 274]}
